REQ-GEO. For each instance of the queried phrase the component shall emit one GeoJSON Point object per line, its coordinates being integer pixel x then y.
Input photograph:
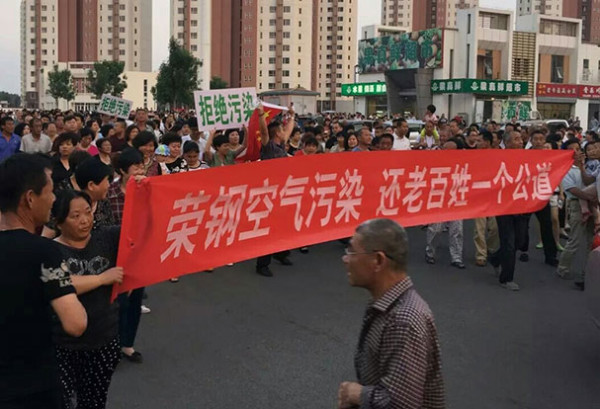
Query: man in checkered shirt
{"type": "Point", "coordinates": [398, 363]}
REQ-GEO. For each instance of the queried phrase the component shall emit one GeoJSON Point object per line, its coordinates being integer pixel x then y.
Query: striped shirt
{"type": "Point", "coordinates": [398, 358]}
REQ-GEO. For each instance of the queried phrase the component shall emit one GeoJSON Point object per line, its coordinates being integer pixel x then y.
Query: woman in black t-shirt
{"type": "Point", "coordinates": [64, 146]}
{"type": "Point", "coordinates": [87, 363]}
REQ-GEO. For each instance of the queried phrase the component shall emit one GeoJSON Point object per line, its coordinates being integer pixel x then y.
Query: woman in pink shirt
{"type": "Point", "coordinates": [85, 143]}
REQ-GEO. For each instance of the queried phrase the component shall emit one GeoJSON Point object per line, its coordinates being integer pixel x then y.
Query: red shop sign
{"type": "Point", "coordinates": [557, 90]}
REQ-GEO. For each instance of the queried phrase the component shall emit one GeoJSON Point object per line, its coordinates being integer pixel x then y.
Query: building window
{"type": "Point", "coordinates": [557, 65]}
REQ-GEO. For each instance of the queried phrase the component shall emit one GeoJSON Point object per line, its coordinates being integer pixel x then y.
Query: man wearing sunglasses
{"type": "Point", "coordinates": [398, 361]}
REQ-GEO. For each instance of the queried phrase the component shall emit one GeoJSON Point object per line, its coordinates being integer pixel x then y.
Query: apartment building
{"type": "Point", "coordinates": [416, 15]}
{"type": "Point", "coordinates": [67, 31]}
{"type": "Point", "coordinates": [586, 10]}
{"type": "Point", "coordinates": [191, 26]}
{"type": "Point", "coordinates": [335, 49]}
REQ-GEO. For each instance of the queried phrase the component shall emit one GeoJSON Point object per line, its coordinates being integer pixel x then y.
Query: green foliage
{"type": "Point", "coordinates": [217, 83]}
{"type": "Point", "coordinates": [178, 78]}
{"type": "Point", "coordinates": [105, 78]}
{"type": "Point", "coordinates": [60, 84]}
{"type": "Point", "coordinates": [13, 100]}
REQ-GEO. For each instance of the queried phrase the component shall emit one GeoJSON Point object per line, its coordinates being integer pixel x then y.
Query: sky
{"type": "Point", "coordinates": [369, 12]}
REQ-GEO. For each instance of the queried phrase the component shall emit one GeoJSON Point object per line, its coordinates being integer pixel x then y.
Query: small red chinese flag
{"type": "Point", "coordinates": [254, 144]}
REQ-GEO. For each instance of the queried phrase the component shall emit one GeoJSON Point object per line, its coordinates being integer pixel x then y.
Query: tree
{"type": "Point", "coordinates": [13, 100]}
{"type": "Point", "coordinates": [60, 85]}
{"type": "Point", "coordinates": [177, 78]}
{"type": "Point", "coordinates": [217, 83]}
{"type": "Point", "coordinates": [107, 78]}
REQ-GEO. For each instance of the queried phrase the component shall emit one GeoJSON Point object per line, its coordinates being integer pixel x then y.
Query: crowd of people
{"type": "Point", "coordinates": [89, 158]}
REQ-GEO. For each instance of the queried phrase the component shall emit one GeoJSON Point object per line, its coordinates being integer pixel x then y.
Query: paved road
{"type": "Point", "coordinates": [233, 339]}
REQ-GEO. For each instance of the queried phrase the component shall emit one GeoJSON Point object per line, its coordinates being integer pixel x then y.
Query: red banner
{"type": "Point", "coordinates": [189, 222]}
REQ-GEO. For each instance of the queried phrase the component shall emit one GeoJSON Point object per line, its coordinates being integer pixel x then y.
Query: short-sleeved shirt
{"type": "Point", "coordinates": [98, 256]}
{"type": "Point", "coordinates": [401, 144]}
{"type": "Point", "coordinates": [153, 168]}
{"type": "Point", "coordinates": [117, 144]}
{"type": "Point", "coordinates": [229, 160]}
{"type": "Point", "coordinates": [31, 145]}
{"type": "Point", "coordinates": [272, 151]}
{"type": "Point", "coordinates": [10, 147]}
{"type": "Point", "coordinates": [103, 216]}
{"type": "Point", "coordinates": [180, 165]}
{"type": "Point", "coordinates": [572, 179]}
{"type": "Point", "coordinates": [33, 273]}
{"type": "Point", "coordinates": [592, 168]}
{"type": "Point", "coordinates": [59, 172]}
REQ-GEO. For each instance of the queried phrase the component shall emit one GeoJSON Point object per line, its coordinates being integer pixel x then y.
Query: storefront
{"type": "Point", "coordinates": [481, 100]}
{"type": "Point", "coordinates": [370, 97]}
{"type": "Point", "coordinates": [557, 101]}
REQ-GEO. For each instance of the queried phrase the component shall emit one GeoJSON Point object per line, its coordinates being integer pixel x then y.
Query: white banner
{"type": "Point", "coordinates": [224, 108]}
{"type": "Point", "coordinates": [114, 106]}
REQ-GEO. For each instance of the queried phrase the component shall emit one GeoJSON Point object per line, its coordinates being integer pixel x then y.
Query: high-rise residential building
{"type": "Point", "coordinates": [125, 33]}
{"type": "Point", "coordinates": [284, 44]}
{"type": "Point", "coordinates": [81, 31]}
{"type": "Point", "coordinates": [587, 11]}
{"type": "Point", "coordinates": [271, 44]}
{"type": "Point", "coordinates": [334, 49]}
{"type": "Point", "coordinates": [39, 45]}
{"type": "Point", "coordinates": [397, 13]}
{"type": "Point", "coordinates": [191, 26]}
{"type": "Point", "coordinates": [415, 15]}
{"type": "Point", "coordinates": [548, 7]}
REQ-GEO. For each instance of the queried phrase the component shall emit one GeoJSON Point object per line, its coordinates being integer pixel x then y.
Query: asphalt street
{"type": "Point", "coordinates": [233, 339]}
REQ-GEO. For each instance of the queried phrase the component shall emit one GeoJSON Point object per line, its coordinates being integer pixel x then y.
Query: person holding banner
{"type": "Point", "coordinates": [128, 165]}
{"type": "Point", "coordinates": [87, 363]}
{"type": "Point", "coordinates": [509, 226]}
{"type": "Point", "coordinates": [146, 144]}
{"type": "Point", "coordinates": [223, 155]}
{"type": "Point", "coordinates": [455, 234]}
{"type": "Point", "coordinates": [273, 139]}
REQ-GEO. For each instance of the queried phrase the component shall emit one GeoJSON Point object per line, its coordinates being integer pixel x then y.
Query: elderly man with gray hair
{"type": "Point", "coordinates": [398, 361]}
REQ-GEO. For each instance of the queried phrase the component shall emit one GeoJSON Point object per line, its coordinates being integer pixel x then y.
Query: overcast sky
{"type": "Point", "coordinates": [369, 12]}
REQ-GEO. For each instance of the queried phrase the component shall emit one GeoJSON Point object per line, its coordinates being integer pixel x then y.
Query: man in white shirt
{"type": "Point", "coordinates": [401, 140]}
{"type": "Point", "coordinates": [194, 135]}
{"type": "Point", "coordinates": [36, 141]}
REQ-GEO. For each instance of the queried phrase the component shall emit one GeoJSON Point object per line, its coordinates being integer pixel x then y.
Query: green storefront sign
{"type": "Point", "coordinates": [364, 89]}
{"type": "Point", "coordinates": [475, 86]}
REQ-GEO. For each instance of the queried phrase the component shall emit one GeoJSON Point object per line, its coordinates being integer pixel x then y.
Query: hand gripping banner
{"type": "Point", "coordinates": [189, 222]}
